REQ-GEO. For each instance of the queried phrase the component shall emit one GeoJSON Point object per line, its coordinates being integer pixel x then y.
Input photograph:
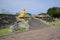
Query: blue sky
{"type": "Point", "coordinates": [31, 6]}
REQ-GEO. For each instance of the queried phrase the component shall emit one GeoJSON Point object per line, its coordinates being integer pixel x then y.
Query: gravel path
{"type": "Point", "coordinates": [49, 33]}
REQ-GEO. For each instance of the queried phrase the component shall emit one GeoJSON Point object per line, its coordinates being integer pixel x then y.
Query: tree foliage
{"type": "Point", "coordinates": [17, 13]}
{"type": "Point", "coordinates": [29, 14]}
{"type": "Point", "coordinates": [54, 12]}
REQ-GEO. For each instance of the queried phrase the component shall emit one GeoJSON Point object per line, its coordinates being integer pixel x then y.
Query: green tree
{"type": "Point", "coordinates": [17, 13]}
{"type": "Point", "coordinates": [54, 12]}
{"type": "Point", "coordinates": [29, 14]}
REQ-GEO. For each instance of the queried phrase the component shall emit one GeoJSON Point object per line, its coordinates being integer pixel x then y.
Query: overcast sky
{"type": "Point", "coordinates": [31, 6]}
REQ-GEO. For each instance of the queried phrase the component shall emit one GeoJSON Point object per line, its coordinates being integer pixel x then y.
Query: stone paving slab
{"type": "Point", "coordinates": [36, 24]}
{"type": "Point", "coordinates": [49, 33]}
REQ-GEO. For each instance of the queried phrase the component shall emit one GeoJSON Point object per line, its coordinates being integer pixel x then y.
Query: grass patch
{"type": "Point", "coordinates": [4, 31]}
{"type": "Point", "coordinates": [54, 23]}
{"type": "Point", "coordinates": [22, 29]}
{"type": "Point", "coordinates": [50, 24]}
